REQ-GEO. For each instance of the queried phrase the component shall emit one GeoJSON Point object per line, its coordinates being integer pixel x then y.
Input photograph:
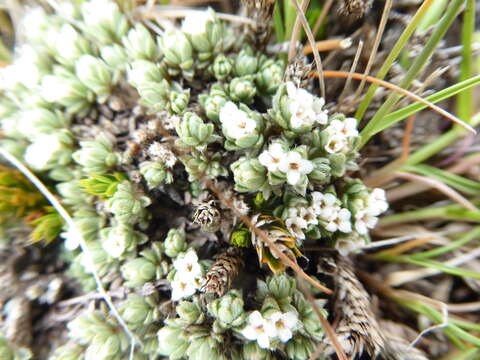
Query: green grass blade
{"type": "Point", "coordinates": [411, 109]}
{"type": "Point", "coordinates": [457, 182]}
{"type": "Point", "coordinates": [398, 47]}
{"type": "Point", "coordinates": [465, 99]}
{"type": "Point", "coordinates": [420, 61]}
{"type": "Point", "coordinates": [449, 212]}
{"type": "Point", "coordinates": [278, 22]}
{"type": "Point", "coordinates": [427, 151]}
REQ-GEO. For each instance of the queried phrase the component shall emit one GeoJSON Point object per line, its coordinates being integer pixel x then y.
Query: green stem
{"type": "Point", "coordinates": [387, 64]}
{"type": "Point", "coordinates": [440, 143]}
{"type": "Point", "coordinates": [464, 99]}
{"type": "Point", "coordinates": [417, 65]}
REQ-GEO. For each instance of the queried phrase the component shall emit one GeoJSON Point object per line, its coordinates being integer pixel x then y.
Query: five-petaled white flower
{"type": "Point", "coordinates": [295, 224]}
{"type": "Point", "coordinates": [272, 157]}
{"type": "Point", "coordinates": [294, 166]}
{"type": "Point", "coordinates": [336, 143]}
{"type": "Point", "coordinates": [340, 221]}
{"type": "Point", "coordinates": [196, 22]}
{"type": "Point", "coordinates": [236, 122]}
{"type": "Point", "coordinates": [187, 265]}
{"type": "Point", "coordinates": [347, 127]}
{"type": "Point", "coordinates": [377, 202]}
{"type": "Point", "coordinates": [183, 288]}
{"type": "Point", "coordinates": [283, 324]}
{"type": "Point", "coordinates": [305, 109]}
{"type": "Point", "coordinates": [259, 329]}
{"type": "Point", "coordinates": [324, 205]}
{"type": "Point", "coordinates": [364, 220]}
{"type": "Point", "coordinates": [309, 215]}
{"type": "Point", "coordinates": [42, 151]}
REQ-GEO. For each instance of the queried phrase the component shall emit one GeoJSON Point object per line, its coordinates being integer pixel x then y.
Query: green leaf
{"type": "Point", "coordinates": [47, 227]}
{"type": "Point", "coordinates": [457, 182]}
{"type": "Point", "coordinates": [103, 186]}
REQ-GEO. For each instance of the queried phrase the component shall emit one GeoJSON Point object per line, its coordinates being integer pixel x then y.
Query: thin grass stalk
{"type": "Point", "coordinates": [398, 47]}
{"type": "Point", "coordinates": [418, 64]}
{"type": "Point", "coordinates": [465, 98]}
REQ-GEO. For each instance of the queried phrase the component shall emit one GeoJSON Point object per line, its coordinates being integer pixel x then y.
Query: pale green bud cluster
{"type": "Point", "coordinates": [175, 243]}
{"type": "Point", "coordinates": [128, 205]}
{"type": "Point", "coordinates": [97, 156]}
{"type": "Point", "coordinates": [155, 173]}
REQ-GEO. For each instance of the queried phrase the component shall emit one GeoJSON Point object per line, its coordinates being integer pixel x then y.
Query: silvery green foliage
{"type": "Point", "coordinates": [166, 110]}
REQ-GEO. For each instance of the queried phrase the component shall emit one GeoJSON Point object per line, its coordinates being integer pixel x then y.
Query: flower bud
{"type": "Point", "coordinates": [281, 286]}
{"type": "Point", "coordinates": [143, 72]}
{"type": "Point", "coordinates": [114, 56]}
{"type": "Point", "coordinates": [246, 63]}
{"type": "Point", "coordinates": [41, 120]}
{"type": "Point", "coordinates": [222, 67]}
{"type": "Point", "coordinates": [241, 237]}
{"type": "Point", "coordinates": [137, 272]}
{"type": "Point", "coordinates": [155, 173]}
{"type": "Point", "coordinates": [249, 175]}
{"type": "Point", "coordinates": [179, 100]}
{"type": "Point", "coordinates": [68, 91]}
{"type": "Point", "coordinates": [119, 239]}
{"type": "Point", "coordinates": [194, 132]}
{"type": "Point", "coordinates": [177, 50]}
{"type": "Point", "coordinates": [200, 165]}
{"type": "Point", "coordinates": [138, 310]}
{"type": "Point", "coordinates": [190, 313]}
{"type": "Point", "coordinates": [242, 89]}
{"type": "Point", "coordinates": [300, 348]}
{"type": "Point", "coordinates": [95, 74]}
{"type": "Point", "coordinates": [321, 171]}
{"type": "Point", "coordinates": [97, 156]}
{"type": "Point", "coordinates": [270, 76]}
{"type": "Point", "coordinates": [175, 243]}
{"type": "Point", "coordinates": [172, 342]}
{"type": "Point", "coordinates": [228, 311]}
{"type": "Point", "coordinates": [128, 205]}
{"type": "Point", "coordinates": [213, 102]}
{"type": "Point", "coordinates": [140, 44]}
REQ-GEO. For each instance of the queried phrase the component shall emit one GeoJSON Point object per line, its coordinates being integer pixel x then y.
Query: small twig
{"type": "Point", "coordinates": [326, 7]}
{"type": "Point", "coordinates": [376, 44]}
{"type": "Point", "coordinates": [325, 324]}
{"type": "Point", "coordinates": [71, 224]}
{"type": "Point", "coordinates": [352, 70]}
{"type": "Point", "coordinates": [447, 190]}
{"type": "Point", "coordinates": [407, 138]}
{"type": "Point", "coordinates": [296, 31]}
{"type": "Point", "coordinates": [311, 40]}
{"type": "Point", "coordinates": [327, 45]}
{"type": "Point", "coordinates": [386, 84]}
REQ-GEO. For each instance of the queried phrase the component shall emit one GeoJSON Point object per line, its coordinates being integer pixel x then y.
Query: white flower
{"type": "Point", "coordinates": [42, 151]}
{"type": "Point", "coordinates": [294, 166]}
{"type": "Point", "coordinates": [347, 128]}
{"type": "Point", "coordinates": [340, 221]}
{"type": "Point", "coordinates": [364, 220]}
{"type": "Point", "coordinates": [284, 324]}
{"type": "Point", "coordinates": [272, 157]}
{"type": "Point", "coordinates": [196, 22]}
{"type": "Point", "coordinates": [377, 202]}
{"type": "Point", "coordinates": [295, 225]}
{"type": "Point", "coordinates": [305, 108]}
{"type": "Point", "coordinates": [236, 122]}
{"type": "Point", "coordinates": [187, 265]}
{"type": "Point", "coordinates": [54, 88]}
{"type": "Point", "coordinates": [72, 238]}
{"type": "Point", "coordinates": [183, 288]}
{"type": "Point", "coordinates": [116, 243]}
{"type": "Point", "coordinates": [309, 215]}
{"type": "Point", "coordinates": [324, 205]}
{"type": "Point", "coordinates": [336, 143]}
{"type": "Point", "coordinates": [98, 11]}
{"type": "Point", "coordinates": [258, 329]}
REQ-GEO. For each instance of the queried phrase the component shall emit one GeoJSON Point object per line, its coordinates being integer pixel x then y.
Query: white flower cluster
{"type": "Point", "coordinates": [277, 326]}
{"type": "Point", "coordinates": [305, 108]}
{"type": "Point", "coordinates": [188, 277]}
{"type": "Point", "coordinates": [368, 210]}
{"type": "Point", "coordinates": [339, 133]}
{"type": "Point", "coordinates": [236, 123]}
{"type": "Point", "coordinates": [289, 163]}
